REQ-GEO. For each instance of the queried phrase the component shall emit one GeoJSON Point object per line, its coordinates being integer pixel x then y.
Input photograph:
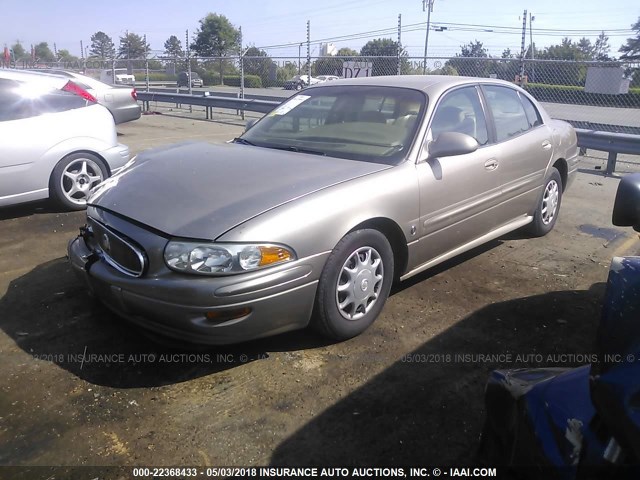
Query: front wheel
{"type": "Point", "coordinates": [354, 285]}
{"type": "Point", "coordinates": [74, 176]}
{"type": "Point", "coordinates": [548, 206]}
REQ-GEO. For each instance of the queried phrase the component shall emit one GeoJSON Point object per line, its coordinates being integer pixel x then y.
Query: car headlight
{"type": "Point", "coordinates": [223, 258]}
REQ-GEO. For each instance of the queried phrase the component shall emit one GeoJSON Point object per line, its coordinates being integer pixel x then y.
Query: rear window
{"type": "Point", "coordinates": [20, 100]}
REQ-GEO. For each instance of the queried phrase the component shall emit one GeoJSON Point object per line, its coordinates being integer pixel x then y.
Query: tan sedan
{"type": "Point", "coordinates": [310, 215]}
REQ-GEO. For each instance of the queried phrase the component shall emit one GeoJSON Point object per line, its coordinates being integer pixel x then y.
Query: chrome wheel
{"type": "Point", "coordinates": [359, 283]}
{"type": "Point", "coordinates": [550, 201]}
{"type": "Point", "coordinates": [80, 176]}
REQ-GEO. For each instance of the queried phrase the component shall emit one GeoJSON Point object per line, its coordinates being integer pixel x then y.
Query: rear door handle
{"type": "Point", "coordinates": [546, 145]}
{"type": "Point", "coordinates": [491, 164]}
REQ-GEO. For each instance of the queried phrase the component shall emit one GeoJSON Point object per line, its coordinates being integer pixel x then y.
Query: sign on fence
{"type": "Point", "coordinates": [356, 69]}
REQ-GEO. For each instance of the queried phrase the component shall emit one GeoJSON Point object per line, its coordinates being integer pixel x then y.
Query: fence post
{"type": "Point", "coordinates": [399, 52]}
{"type": "Point", "coordinates": [241, 73]}
{"type": "Point", "coordinates": [309, 51]}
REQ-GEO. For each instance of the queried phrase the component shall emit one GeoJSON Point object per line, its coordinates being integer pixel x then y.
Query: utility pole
{"type": "Point", "coordinates": [146, 63]}
{"type": "Point", "coordinates": [428, 6]}
{"type": "Point", "coordinates": [533, 49]}
{"type": "Point", "coordinates": [84, 64]}
{"type": "Point", "coordinates": [188, 59]}
{"type": "Point", "coordinates": [399, 43]}
{"type": "Point", "coordinates": [524, 36]}
{"type": "Point", "coordinates": [241, 69]}
{"type": "Point", "coordinates": [309, 51]}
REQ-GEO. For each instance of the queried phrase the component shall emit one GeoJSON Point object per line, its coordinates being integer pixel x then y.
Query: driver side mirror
{"type": "Point", "coordinates": [626, 208]}
{"type": "Point", "coordinates": [448, 144]}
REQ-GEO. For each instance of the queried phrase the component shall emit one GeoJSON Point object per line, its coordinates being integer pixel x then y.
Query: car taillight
{"type": "Point", "coordinates": [72, 87]}
{"type": "Point", "coordinates": [134, 94]}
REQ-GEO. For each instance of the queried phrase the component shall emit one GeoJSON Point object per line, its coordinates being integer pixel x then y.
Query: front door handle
{"type": "Point", "coordinates": [546, 145]}
{"type": "Point", "coordinates": [491, 164]}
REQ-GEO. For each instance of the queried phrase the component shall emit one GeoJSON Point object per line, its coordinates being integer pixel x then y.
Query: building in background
{"type": "Point", "coordinates": [328, 49]}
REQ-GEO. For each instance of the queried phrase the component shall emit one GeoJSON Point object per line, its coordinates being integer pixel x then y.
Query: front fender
{"type": "Point", "coordinates": [315, 223]}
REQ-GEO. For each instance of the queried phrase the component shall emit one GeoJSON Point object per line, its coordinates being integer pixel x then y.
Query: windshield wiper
{"type": "Point", "coordinates": [243, 141]}
{"type": "Point", "coordinates": [292, 148]}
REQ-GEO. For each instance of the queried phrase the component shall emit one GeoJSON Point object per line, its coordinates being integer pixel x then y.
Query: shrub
{"type": "Point", "coordinates": [577, 95]}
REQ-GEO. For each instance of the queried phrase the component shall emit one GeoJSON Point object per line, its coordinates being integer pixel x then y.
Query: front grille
{"type": "Point", "coordinates": [120, 252]}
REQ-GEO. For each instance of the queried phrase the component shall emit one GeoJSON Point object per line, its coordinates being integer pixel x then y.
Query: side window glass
{"type": "Point", "coordinates": [533, 116]}
{"type": "Point", "coordinates": [461, 111]}
{"type": "Point", "coordinates": [508, 112]}
{"type": "Point", "coordinates": [12, 105]}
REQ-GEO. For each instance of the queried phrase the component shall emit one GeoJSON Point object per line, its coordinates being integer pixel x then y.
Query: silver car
{"type": "Point", "coordinates": [55, 144]}
{"type": "Point", "coordinates": [310, 215]}
{"type": "Point", "coordinates": [121, 101]}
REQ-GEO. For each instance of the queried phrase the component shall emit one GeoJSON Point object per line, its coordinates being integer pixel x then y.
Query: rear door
{"type": "Point", "coordinates": [524, 149]}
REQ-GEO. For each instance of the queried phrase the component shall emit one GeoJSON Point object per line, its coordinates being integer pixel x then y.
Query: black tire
{"type": "Point", "coordinates": [543, 219]}
{"type": "Point", "coordinates": [299, 86]}
{"type": "Point", "coordinates": [331, 320]}
{"type": "Point", "coordinates": [61, 183]}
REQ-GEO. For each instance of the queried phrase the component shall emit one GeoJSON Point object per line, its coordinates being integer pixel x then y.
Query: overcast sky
{"type": "Point", "coordinates": [266, 23]}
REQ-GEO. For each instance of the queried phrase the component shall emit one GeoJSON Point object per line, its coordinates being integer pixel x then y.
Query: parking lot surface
{"type": "Point", "coordinates": [82, 387]}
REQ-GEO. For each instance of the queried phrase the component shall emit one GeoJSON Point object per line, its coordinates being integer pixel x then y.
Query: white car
{"type": "Point", "coordinates": [327, 78]}
{"type": "Point", "coordinates": [54, 144]}
{"type": "Point", "coordinates": [299, 82]}
{"type": "Point", "coordinates": [117, 76]}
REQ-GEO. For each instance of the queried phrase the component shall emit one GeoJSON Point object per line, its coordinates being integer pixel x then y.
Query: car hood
{"type": "Point", "coordinates": [201, 190]}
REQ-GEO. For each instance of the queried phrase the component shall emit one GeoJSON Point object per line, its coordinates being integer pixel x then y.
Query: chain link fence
{"type": "Point", "coordinates": [568, 89]}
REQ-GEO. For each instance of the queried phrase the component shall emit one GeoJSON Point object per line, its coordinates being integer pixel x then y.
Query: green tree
{"type": "Point", "coordinates": [173, 47]}
{"type": "Point", "coordinates": [468, 62]}
{"type": "Point", "coordinates": [570, 72]}
{"type": "Point", "coordinates": [586, 48]}
{"type": "Point", "coordinates": [346, 52]}
{"type": "Point", "coordinates": [602, 48]}
{"type": "Point", "coordinates": [132, 46]}
{"type": "Point", "coordinates": [385, 56]}
{"type": "Point", "coordinates": [102, 46]}
{"type": "Point", "coordinates": [257, 62]}
{"type": "Point", "coordinates": [506, 53]}
{"type": "Point", "coordinates": [631, 50]}
{"type": "Point", "coordinates": [43, 53]}
{"type": "Point", "coordinates": [216, 37]}
{"type": "Point", "coordinates": [66, 57]}
{"type": "Point", "coordinates": [19, 52]}
{"type": "Point", "coordinates": [331, 65]}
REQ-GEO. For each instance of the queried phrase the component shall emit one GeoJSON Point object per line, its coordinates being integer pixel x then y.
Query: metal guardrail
{"type": "Point", "coordinates": [614, 143]}
{"type": "Point", "coordinates": [209, 101]}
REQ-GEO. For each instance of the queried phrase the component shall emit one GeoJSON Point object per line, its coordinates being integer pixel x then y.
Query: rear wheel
{"type": "Point", "coordinates": [74, 176]}
{"type": "Point", "coordinates": [548, 207]}
{"type": "Point", "coordinates": [354, 285]}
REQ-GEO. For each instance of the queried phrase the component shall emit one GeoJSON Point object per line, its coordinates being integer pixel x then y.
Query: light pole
{"type": "Point", "coordinates": [533, 64]}
{"type": "Point", "coordinates": [299, 66]}
{"type": "Point", "coordinates": [428, 6]}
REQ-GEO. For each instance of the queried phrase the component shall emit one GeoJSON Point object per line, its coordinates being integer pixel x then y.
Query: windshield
{"type": "Point", "coordinates": [369, 123]}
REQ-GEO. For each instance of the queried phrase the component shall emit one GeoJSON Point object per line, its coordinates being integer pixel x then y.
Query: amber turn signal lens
{"type": "Point", "coordinates": [273, 255]}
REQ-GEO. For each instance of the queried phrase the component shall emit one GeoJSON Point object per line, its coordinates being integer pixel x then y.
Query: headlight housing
{"type": "Point", "coordinates": [203, 258]}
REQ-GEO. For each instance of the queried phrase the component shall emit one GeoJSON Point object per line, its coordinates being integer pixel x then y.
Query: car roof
{"type": "Point", "coordinates": [426, 83]}
{"type": "Point", "coordinates": [51, 80]}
